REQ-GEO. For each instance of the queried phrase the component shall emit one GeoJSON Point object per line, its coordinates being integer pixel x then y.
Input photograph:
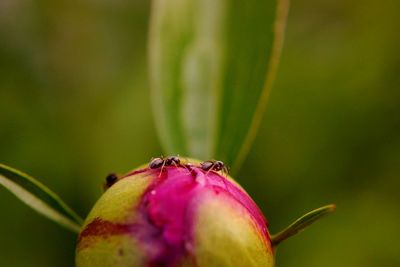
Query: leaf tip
{"type": "Point", "coordinates": [301, 223]}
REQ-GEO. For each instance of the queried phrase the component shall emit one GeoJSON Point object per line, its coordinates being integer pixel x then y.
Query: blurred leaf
{"type": "Point", "coordinates": [39, 197]}
{"type": "Point", "coordinates": [212, 64]}
{"type": "Point", "coordinates": [301, 223]}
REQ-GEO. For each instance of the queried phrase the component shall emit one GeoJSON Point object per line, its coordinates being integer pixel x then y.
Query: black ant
{"type": "Point", "coordinates": [111, 179]}
{"type": "Point", "coordinates": [214, 165]}
{"type": "Point", "coordinates": [156, 163]}
{"type": "Point", "coordinates": [161, 162]}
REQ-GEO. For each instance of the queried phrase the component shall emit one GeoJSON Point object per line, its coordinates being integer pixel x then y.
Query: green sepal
{"type": "Point", "coordinates": [301, 223]}
{"type": "Point", "coordinates": [39, 197]}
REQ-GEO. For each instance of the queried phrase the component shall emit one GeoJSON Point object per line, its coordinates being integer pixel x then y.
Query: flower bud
{"type": "Point", "coordinates": [175, 216]}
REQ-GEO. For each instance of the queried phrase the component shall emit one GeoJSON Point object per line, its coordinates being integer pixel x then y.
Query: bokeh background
{"type": "Point", "coordinates": [74, 106]}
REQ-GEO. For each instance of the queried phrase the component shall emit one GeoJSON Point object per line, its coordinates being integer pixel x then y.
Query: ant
{"type": "Point", "coordinates": [111, 179]}
{"type": "Point", "coordinates": [161, 162]}
{"type": "Point", "coordinates": [214, 165]}
{"type": "Point", "coordinates": [156, 163]}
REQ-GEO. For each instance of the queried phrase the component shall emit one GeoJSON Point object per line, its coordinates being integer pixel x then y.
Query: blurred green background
{"type": "Point", "coordinates": [74, 106]}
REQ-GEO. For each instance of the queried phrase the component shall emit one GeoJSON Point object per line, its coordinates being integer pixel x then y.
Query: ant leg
{"type": "Point", "coordinates": [225, 171]}
{"type": "Point", "coordinates": [186, 164]}
{"type": "Point", "coordinates": [210, 169]}
{"type": "Point", "coordinates": [161, 170]}
{"type": "Point", "coordinates": [177, 165]}
{"type": "Point", "coordinates": [188, 167]}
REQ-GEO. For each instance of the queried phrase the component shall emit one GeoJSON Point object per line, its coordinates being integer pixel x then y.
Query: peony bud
{"type": "Point", "coordinates": [175, 216]}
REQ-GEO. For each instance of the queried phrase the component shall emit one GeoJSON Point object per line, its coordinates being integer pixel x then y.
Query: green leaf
{"type": "Point", "coordinates": [39, 197]}
{"type": "Point", "coordinates": [301, 223]}
{"type": "Point", "coordinates": [212, 64]}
